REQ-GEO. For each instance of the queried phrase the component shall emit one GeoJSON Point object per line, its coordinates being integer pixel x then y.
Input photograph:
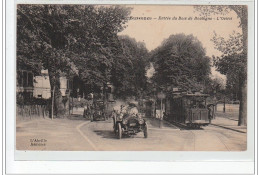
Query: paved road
{"type": "Point", "coordinates": [78, 134]}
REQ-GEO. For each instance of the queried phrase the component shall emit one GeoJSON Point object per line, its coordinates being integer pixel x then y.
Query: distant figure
{"type": "Point", "coordinates": [122, 109]}
{"type": "Point", "coordinates": [85, 110]}
{"type": "Point", "coordinates": [164, 116]}
{"type": "Point", "coordinates": [210, 113]}
{"type": "Point", "coordinates": [133, 110]}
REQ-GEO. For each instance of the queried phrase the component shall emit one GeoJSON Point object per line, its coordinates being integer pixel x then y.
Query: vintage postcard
{"type": "Point", "coordinates": [131, 77]}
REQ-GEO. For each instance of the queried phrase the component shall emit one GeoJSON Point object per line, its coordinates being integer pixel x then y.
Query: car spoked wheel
{"type": "Point", "coordinates": [145, 131]}
{"type": "Point", "coordinates": [119, 129]}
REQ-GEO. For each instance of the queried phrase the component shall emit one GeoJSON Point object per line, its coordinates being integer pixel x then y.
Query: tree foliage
{"type": "Point", "coordinates": [128, 73]}
{"type": "Point", "coordinates": [233, 61]}
{"type": "Point", "coordinates": [181, 62]}
{"type": "Point", "coordinates": [69, 39]}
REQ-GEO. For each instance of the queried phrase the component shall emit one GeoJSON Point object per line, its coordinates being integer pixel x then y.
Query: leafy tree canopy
{"type": "Point", "coordinates": [181, 62]}
{"type": "Point", "coordinates": [68, 36]}
{"type": "Point", "coordinates": [69, 39]}
{"type": "Point", "coordinates": [233, 62]}
{"type": "Point", "coordinates": [128, 73]}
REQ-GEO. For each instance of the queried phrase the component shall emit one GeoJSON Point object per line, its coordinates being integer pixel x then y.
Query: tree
{"type": "Point", "coordinates": [233, 62]}
{"type": "Point", "coordinates": [214, 85]}
{"type": "Point", "coordinates": [181, 62]}
{"type": "Point", "coordinates": [97, 59]}
{"type": "Point", "coordinates": [128, 74]}
{"type": "Point", "coordinates": [70, 39]}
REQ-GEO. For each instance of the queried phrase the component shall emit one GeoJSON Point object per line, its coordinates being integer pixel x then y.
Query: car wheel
{"type": "Point", "coordinates": [145, 131]}
{"type": "Point", "coordinates": [119, 134]}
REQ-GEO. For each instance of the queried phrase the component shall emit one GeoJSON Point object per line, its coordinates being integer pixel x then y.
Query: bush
{"type": "Point", "coordinates": [20, 100]}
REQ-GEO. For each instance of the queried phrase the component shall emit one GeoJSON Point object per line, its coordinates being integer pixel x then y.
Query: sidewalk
{"type": "Point", "coordinates": [155, 123]}
{"type": "Point", "coordinates": [59, 134]}
{"type": "Point", "coordinates": [228, 124]}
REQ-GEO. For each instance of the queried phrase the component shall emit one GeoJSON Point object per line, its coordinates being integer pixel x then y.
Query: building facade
{"type": "Point", "coordinates": [30, 86]}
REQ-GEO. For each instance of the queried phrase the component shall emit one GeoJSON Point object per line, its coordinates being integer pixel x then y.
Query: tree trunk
{"type": "Point", "coordinates": [59, 109]}
{"type": "Point", "coordinates": [243, 104]}
{"type": "Point", "coordinates": [243, 76]}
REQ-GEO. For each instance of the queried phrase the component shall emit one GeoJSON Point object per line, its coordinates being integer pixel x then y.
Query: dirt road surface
{"type": "Point", "coordinates": [79, 134]}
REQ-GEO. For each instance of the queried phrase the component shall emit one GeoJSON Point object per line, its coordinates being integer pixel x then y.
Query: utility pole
{"type": "Point", "coordinates": [224, 105]}
{"type": "Point", "coordinates": [105, 97]}
{"type": "Point", "coordinates": [52, 104]}
{"type": "Point", "coordinates": [161, 117]}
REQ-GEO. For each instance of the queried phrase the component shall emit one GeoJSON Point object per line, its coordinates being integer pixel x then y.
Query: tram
{"type": "Point", "coordinates": [186, 109]}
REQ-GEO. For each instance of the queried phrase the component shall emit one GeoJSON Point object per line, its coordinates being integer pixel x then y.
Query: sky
{"type": "Point", "coordinates": [153, 32]}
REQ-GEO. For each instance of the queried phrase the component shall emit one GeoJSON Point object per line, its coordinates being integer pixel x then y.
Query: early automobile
{"type": "Point", "coordinates": [98, 111]}
{"type": "Point", "coordinates": [127, 123]}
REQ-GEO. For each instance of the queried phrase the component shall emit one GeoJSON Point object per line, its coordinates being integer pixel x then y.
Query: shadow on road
{"type": "Point", "coordinates": [77, 117]}
{"type": "Point", "coordinates": [156, 123]}
{"type": "Point", "coordinates": [110, 134]}
{"type": "Point", "coordinates": [106, 134]}
{"type": "Point", "coordinates": [184, 126]}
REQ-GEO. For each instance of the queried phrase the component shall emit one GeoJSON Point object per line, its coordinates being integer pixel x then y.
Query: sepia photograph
{"type": "Point", "coordinates": [131, 77]}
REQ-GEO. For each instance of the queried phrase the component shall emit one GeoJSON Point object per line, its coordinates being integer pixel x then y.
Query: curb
{"type": "Point", "coordinates": [228, 128]}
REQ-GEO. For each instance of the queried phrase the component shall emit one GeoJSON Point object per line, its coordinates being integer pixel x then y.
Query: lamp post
{"type": "Point", "coordinates": [215, 100]}
{"type": "Point", "coordinates": [154, 110]}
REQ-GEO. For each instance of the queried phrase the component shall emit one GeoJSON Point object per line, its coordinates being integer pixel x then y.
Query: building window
{"type": "Point", "coordinates": [19, 78]}
{"type": "Point", "coordinates": [25, 79]}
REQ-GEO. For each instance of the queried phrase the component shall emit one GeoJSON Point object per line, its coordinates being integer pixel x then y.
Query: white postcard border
{"type": "Point", "coordinates": [165, 161]}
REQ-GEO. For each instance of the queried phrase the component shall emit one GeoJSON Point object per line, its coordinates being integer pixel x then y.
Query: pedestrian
{"type": "Point", "coordinates": [164, 116]}
{"type": "Point", "coordinates": [86, 110]}
{"type": "Point", "coordinates": [210, 112]}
